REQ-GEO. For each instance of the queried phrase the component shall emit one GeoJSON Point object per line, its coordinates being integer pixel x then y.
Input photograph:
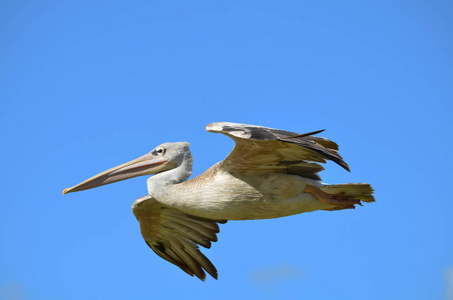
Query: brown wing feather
{"type": "Point", "coordinates": [175, 236]}
{"type": "Point", "coordinates": [261, 149]}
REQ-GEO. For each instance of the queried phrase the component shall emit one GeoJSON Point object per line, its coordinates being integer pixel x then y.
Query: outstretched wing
{"type": "Point", "coordinates": [261, 149]}
{"type": "Point", "coordinates": [175, 236]}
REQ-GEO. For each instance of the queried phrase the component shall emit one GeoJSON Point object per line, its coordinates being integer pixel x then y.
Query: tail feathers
{"type": "Point", "coordinates": [361, 191]}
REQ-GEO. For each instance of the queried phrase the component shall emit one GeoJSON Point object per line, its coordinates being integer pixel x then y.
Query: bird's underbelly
{"type": "Point", "coordinates": [250, 197]}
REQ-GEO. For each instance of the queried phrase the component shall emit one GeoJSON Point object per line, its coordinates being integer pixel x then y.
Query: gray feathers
{"type": "Point", "coordinates": [261, 149]}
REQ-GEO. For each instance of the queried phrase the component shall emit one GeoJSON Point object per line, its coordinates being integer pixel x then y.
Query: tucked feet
{"type": "Point", "coordinates": [339, 201]}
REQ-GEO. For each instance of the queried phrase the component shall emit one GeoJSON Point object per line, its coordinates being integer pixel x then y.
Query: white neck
{"type": "Point", "coordinates": [159, 184]}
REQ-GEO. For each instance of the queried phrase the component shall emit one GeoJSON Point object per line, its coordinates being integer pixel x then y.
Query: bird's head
{"type": "Point", "coordinates": [162, 158]}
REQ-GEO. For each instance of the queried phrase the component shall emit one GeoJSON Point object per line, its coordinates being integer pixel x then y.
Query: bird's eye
{"type": "Point", "coordinates": [160, 151]}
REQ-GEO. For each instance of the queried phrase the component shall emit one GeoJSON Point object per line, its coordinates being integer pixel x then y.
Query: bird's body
{"type": "Point", "coordinates": [218, 194]}
{"type": "Point", "coordinates": [269, 174]}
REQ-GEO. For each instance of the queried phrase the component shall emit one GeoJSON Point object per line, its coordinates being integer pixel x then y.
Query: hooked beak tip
{"type": "Point", "coordinates": [65, 191]}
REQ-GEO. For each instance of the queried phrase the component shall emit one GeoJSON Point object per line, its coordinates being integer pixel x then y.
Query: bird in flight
{"type": "Point", "coordinates": [270, 173]}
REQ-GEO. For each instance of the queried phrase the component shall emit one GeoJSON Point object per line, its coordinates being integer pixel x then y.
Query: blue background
{"type": "Point", "coordinates": [87, 85]}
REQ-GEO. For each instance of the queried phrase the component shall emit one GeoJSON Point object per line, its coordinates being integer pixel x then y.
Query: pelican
{"type": "Point", "coordinates": [270, 173]}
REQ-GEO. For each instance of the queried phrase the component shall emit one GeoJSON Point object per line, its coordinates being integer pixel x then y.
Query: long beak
{"type": "Point", "coordinates": [144, 165]}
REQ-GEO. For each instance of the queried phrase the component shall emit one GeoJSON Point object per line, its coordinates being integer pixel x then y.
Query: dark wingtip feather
{"type": "Point", "coordinates": [306, 134]}
{"type": "Point", "coordinates": [339, 160]}
{"type": "Point", "coordinates": [345, 166]}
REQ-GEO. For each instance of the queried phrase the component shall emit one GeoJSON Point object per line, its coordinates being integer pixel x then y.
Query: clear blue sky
{"type": "Point", "coordinates": [87, 85]}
